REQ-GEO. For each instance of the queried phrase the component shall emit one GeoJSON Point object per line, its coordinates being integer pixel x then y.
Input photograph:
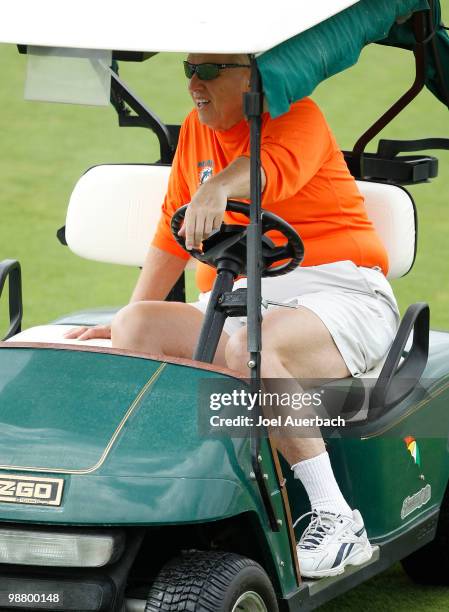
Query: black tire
{"type": "Point", "coordinates": [430, 564]}
{"type": "Point", "coordinates": [209, 582]}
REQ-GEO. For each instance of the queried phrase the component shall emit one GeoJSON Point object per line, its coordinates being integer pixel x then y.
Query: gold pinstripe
{"type": "Point", "coordinates": [110, 444]}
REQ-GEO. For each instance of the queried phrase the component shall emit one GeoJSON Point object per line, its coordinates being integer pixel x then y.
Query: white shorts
{"type": "Point", "coordinates": [356, 305]}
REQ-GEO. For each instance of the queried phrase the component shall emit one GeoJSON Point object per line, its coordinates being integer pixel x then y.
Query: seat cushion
{"type": "Point", "coordinates": [54, 334]}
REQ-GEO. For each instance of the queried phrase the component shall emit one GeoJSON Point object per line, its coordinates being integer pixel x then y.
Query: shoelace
{"type": "Point", "coordinates": [317, 529]}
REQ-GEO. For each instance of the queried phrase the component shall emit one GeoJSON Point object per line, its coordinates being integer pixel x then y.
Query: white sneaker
{"type": "Point", "coordinates": [330, 542]}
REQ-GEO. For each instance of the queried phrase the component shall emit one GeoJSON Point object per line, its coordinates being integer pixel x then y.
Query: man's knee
{"type": "Point", "coordinates": [236, 353]}
{"type": "Point", "coordinates": [129, 322]}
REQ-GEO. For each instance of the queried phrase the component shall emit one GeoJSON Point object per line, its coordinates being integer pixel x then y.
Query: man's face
{"type": "Point", "coordinates": [219, 101]}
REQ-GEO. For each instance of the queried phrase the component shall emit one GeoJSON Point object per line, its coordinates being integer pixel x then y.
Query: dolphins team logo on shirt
{"type": "Point", "coordinates": [206, 170]}
{"type": "Point", "coordinates": [205, 174]}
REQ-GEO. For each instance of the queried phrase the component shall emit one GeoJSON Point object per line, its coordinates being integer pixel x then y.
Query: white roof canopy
{"type": "Point", "coordinates": [229, 26]}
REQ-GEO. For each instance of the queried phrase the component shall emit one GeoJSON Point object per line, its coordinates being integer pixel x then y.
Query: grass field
{"type": "Point", "coordinates": [45, 148]}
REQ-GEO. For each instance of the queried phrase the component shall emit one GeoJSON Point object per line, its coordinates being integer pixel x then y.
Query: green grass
{"type": "Point", "coordinates": [391, 591]}
{"type": "Point", "coordinates": [45, 148]}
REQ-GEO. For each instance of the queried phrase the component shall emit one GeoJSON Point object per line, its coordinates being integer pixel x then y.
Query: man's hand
{"type": "Point", "coordinates": [87, 333]}
{"type": "Point", "coordinates": [204, 214]}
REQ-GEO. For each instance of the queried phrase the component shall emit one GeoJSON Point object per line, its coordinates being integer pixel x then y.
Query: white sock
{"type": "Point", "coordinates": [319, 482]}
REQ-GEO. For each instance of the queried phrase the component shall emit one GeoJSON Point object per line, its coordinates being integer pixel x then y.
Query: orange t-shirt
{"type": "Point", "coordinates": [307, 183]}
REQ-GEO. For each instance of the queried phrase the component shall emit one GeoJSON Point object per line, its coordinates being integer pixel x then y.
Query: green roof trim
{"type": "Point", "coordinates": [294, 68]}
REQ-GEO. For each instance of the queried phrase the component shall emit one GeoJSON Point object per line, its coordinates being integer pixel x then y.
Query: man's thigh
{"type": "Point", "coordinates": [303, 343]}
{"type": "Point", "coordinates": [357, 326]}
{"type": "Point", "coordinates": [167, 328]}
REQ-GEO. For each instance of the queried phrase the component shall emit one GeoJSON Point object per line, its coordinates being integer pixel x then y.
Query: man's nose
{"type": "Point", "coordinates": [194, 82]}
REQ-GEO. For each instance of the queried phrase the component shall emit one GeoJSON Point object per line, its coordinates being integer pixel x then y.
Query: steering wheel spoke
{"type": "Point", "coordinates": [277, 253]}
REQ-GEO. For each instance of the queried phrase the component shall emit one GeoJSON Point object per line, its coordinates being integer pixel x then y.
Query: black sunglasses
{"type": "Point", "coordinates": [207, 72]}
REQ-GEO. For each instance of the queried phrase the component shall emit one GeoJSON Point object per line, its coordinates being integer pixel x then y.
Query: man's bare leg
{"type": "Point", "coordinates": [162, 328]}
{"type": "Point", "coordinates": [297, 345]}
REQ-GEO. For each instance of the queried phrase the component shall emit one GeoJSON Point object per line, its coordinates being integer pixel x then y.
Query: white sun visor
{"type": "Point", "coordinates": [173, 25]}
{"type": "Point", "coordinates": [74, 76]}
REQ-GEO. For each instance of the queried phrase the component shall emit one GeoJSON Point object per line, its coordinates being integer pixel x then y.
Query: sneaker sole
{"type": "Point", "coordinates": [357, 558]}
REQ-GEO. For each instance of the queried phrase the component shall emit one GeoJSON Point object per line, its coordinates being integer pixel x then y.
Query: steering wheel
{"type": "Point", "coordinates": [230, 241]}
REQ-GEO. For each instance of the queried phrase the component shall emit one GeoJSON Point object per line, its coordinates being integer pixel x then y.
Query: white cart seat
{"type": "Point", "coordinates": [114, 210]}
{"type": "Point", "coordinates": [392, 211]}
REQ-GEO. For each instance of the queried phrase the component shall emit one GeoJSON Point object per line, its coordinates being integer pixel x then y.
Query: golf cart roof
{"type": "Point", "coordinates": [298, 44]}
{"type": "Point", "coordinates": [173, 25]}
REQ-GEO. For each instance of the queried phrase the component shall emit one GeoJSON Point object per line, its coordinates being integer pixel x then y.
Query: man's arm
{"type": "Point", "coordinates": [159, 273]}
{"type": "Point", "coordinates": [235, 178]}
{"type": "Point", "coordinates": [206, 209]}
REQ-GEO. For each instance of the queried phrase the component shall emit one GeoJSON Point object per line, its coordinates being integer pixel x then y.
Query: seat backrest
{"type": "Point", "coordinates": [392, 211]}
{"type": "Point", "coordinates": [114, 210]}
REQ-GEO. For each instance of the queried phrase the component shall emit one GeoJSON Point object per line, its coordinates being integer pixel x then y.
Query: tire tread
{"type": "Point", "coordinates": [196, 580]}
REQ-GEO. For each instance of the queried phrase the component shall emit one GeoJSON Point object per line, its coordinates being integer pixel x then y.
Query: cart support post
{"type": "Point", "coordinates": [253, 104]}
{"type": "Point", "coordinates": [253, 110]}
{"type": "Point", "coordinates": [253, 107]}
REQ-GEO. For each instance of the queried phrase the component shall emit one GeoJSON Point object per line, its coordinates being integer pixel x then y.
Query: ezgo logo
{"type": "Point", "coordinates": [413, 449]}
{"type": "Point", "coordinates": [31, 490]}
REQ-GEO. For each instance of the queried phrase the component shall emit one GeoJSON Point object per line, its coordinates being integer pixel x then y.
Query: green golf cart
{"type": "Point", "coordinates": [115, 495]}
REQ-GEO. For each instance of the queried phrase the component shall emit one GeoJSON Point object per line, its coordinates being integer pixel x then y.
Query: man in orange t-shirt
{"type": "Point", "coordinates": [344, 316]}
{"type": "Point", "coordinates": [313, 191]}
